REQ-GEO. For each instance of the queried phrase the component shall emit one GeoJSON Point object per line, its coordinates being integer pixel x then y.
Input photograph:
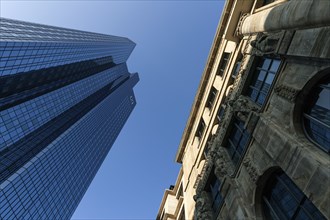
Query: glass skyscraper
{"type": "Point", "coordinates": [64, 97]}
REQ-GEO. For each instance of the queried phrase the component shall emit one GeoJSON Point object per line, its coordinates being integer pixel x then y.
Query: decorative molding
{"type": "Point", "coordinates": [223, 125]}
{"type": "Point", "coordinates": [252, 121]}
{"type": "Point", "coordinates": [206, 170]}
{"type": "Point", "coordinates": [222, 164]}
{"type": "Point", "coordinates": [203, 208]}
{"type": "Point", "coordinates": [246, 63]}
{"type": "Point", "coordinates": [242, 106]}
{"type": "Point", "coordinates": [198, 179]}
{"type": "Point", "coordinates": [251, 169]}
{"type": "Point", "coordinates": [287, 92]}
{"type": "Point", "coordinates": [238, 31]}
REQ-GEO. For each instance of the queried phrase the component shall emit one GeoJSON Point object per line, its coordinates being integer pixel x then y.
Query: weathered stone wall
{"type": "Point", "coordinates": [278, 140]}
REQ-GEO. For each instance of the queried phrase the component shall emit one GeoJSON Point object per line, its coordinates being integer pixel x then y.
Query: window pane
{"type": "Point", "coordinates": [262, 79]}
{"type": "Point", "coordinates": [261, 75]}
{"type": "Point", "coordinates": [265, 64]}
{"type": "Point", "coordinates": [253, 94]}
{"type": "Point", "coordinates": [261, 98]}
{"type": "Point", "coordinates": [270, 78]}
{"type": "Point", "coordinates": [237, 141]}
{"type": "Point", "coordinates": [275, 65]}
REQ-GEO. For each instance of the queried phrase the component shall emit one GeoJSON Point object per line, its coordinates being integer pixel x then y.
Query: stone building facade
{"type": "Point", "coordinates": [257, 142]}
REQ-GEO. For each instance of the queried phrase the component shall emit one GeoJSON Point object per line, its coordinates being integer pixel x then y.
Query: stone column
{"type": "Point", "coordinates": [294, 14]}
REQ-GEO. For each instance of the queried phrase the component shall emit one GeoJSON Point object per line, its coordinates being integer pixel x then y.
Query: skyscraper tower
{"type": "Point", "coordinates": [64, 97]}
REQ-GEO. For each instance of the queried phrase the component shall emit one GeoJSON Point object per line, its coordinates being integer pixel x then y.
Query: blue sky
{"type": "Point", "coordinates": [173, 41]}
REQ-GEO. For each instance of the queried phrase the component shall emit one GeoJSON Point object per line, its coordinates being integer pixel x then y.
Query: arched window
{"type": "Point", "coordinates": [283, 200]}
{"type": "Point", "coordinates": [317, 115]}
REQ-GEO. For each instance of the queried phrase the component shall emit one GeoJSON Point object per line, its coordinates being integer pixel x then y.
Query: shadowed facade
{"type": "Point", "coordinates": [257, 141]}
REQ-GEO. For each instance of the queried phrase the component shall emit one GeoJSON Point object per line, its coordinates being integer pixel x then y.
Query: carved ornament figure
{"type": "Point", "coordinates": [222, 163]}
{"type": "Point", "coordinates": [251, 169]}
{"type": "Point", "coordinates": [203, 209]}
{"type": "Point", "coordinates": [242, 106]}
{"type": "Point", "coordinates": [266, 44]}
{"type": "Point", "coordinates": [287, 92]}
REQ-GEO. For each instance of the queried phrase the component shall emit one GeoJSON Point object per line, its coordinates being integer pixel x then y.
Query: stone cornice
{"type": "Point", "coordinates": [201, 89]}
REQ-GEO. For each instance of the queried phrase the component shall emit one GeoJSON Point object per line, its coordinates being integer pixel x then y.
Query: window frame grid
{"type": "Point", "coordinates": [233, 149]}
{"type": "Point", "coordinates": [258, 68]}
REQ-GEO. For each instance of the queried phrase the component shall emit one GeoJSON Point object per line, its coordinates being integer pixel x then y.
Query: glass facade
{"type": "Point", "coordinates": [64, 97]}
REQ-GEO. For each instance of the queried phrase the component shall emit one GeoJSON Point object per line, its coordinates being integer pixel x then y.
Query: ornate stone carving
{"type": "Point", "coordinates": [238, 31]}
{"type": "Point", "coordinates": [252, 122]}
{"type": "Point", "coordinates": [242, 107]}
{"type": "Point", "coordinates": [222, 163]}
{"type": "Point", "coordinates": [287, 92]}
{"type": "Point", "coordinates": [245, 66]}
{"type": "Point", "coordinates": [224, 122]}
{"type": "Point", "coordinates": [206, 170]}
{"type": "Point", "coordinates": [266, 44]}
{"type": "Point", "coordinates": [203, 209]}
{"type": "Point", "coordinates": [251, 169]}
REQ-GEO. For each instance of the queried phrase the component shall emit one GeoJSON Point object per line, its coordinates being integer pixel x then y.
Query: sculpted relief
{"type": "Point", "coordinates": [203, 209]}
{"type": "Point", "coordinates": [266, 44]}
{"type": "Point", "coordinates": [242, 107]}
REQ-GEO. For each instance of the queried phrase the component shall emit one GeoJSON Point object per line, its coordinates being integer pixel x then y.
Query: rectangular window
{"type": "Point", "coordinates": [223, 63]}
{"type": "Point", "coordinates": [200, 129]}
{"type": "Point", "coordinates": [214, 189]}
{"type": "Point", "coordinates": [211, 98]}
{"type": "Point", "coordinates": [220, 113]}
{"type": "Point", "coordinates": [262, 79]}
{"type": "Point", "coordinates": [237, 141]}
{"type": "Point", "coordinates": [236, 69]}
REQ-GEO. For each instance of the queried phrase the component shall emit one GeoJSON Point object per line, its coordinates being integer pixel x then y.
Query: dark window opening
{"type": "Point", "coordinates": [266, 2]}
{"type": "Point", "coordinates": [236, 69]}
{"type": "Point", "coordinates": [223, 63]}
{"type": "Point", "coordinates": [211, 98]}
{"type": "Point", "coordinates": [200, 129]}
{"type": "Point", "coordinates": [221, 112]}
